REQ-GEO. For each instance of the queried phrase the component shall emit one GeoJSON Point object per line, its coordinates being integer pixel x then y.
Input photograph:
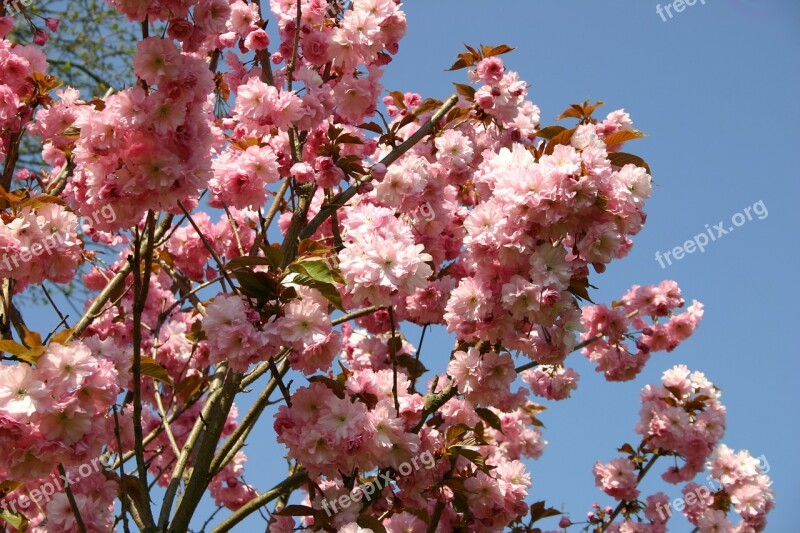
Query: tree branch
{"type": "Point", "coordinates": [343, 197]}
{"type": "Point", "coordinates": [141, 287]}
{"type": "Point", "coordinates": [76, 512]}
{"type": "Point", "coordinates": [240, 434]}
{"type": "Point", "coordinates": [622, 504]}
{"type": "Point", "coordinates": [289, 484]}
{"type": "Point", "coordinates": [111, 287]}
{"type": "Point", "coordinates": [200, 477]}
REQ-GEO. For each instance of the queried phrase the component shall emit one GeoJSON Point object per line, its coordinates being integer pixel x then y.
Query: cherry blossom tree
{"type": "Point", "coordinates": [258, 206]}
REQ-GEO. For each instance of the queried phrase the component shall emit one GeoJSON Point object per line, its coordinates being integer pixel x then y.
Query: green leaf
{"type": "Point", "coordinates": [274, 254]}
{"type": "Point", "coordinates": [337, 387]}
{"type": "Point", "coordinates": [29, 355]}
{"type": "Point", "coordinates": [539, 511]}
{"type": "Point", "coordinates": [319, 275]}
{"type": "Point", "coordinates": [373, 127]}
{"type": "Point", "coordinates": [473, 456]}
{"type": "Point", "coordinates": [318, 270]}
{"type": "Point", "coordinates": [152, 368]}
{"type": "Point", "coordinates": [454, 432]}
{"type": "Point", "coordinates": [296, 510]}
{"type": "Point", "coordinates": [14, 519]}
{"type": "Point", "coordinates": [257, 284]}
{"type": "Point", "coordinates": [490, 417]}
{"type": "Point", "coordinates": [370, 522]}
{"type": "Point", "coordinates": [415, 368]}
{"type": "Point", "coordinates": [473, 440]}
{"type": "Point", "coordinates": [329, 291]}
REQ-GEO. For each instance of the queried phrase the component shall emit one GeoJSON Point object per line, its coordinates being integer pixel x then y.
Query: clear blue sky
{"type": "Point", "coordinates": [716, 89]}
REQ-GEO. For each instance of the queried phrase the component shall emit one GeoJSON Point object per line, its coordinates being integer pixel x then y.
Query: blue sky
{"type": "Point", "coordinates": [715, 88]}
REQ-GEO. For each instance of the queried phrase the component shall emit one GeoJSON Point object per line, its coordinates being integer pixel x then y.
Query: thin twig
{"type": "Point", "coordinates": [122, 499]}
{"type": "Point", "coordinates": [167, 428]}
{"type": "Point", "coordinates": [276, 202]}
{"type": "Point", "coordinates": [295, 47]}
{"type": "Point", "coordinates": [622, 504]}
{"type": "Point", "coordinates": [418, 354]}
{"type": "Point", "coordinates": [343, 197]}
{"type": "Point", "coordinates": [141, 287]}
{"type": "Point", "coordinates": [355, 314]}
{"type": "Point", "coordinates": [71, 497]}
{"type": "Point", "coordinates": [210, 248]}
{"type": "Point", "coordinates": [261, 369]}
{"type": "Point", "coordinates": [277, 376]}
{"type": "Point", "coordinates": [111, 287]}
{"type": "Point", "coordinates": [211, 518]}
{"type": "Point", "coordinates": [393, 353]}
{"type": "Point", "coordinates": [290, 483]}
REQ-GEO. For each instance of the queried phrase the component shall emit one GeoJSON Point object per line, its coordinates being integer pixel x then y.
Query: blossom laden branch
{"type": "Point", "coordinates": [342, 198]}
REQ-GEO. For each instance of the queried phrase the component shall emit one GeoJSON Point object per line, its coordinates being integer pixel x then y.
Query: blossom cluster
{"type": "Point", "coordinates": [55, 412]}
{"type": "Point", "coordinates": [18, 67]}
{"type": "Point", "coordinates": [148, 148]}
{"type": "Point", "coordinates": [329, 433]}
{"type": "Point", "coordinates": [618, 353]}
{"type": "Point", "coordinates": [490, 227]}
{"type": "Point", "coordinates": [683, 417]}
{"type": "Point", "coordinates": [45, 499]}
{"type": "Point", "coordinates": [46, 233]}
{"type": "Point", "coordinates": [381, 260]}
